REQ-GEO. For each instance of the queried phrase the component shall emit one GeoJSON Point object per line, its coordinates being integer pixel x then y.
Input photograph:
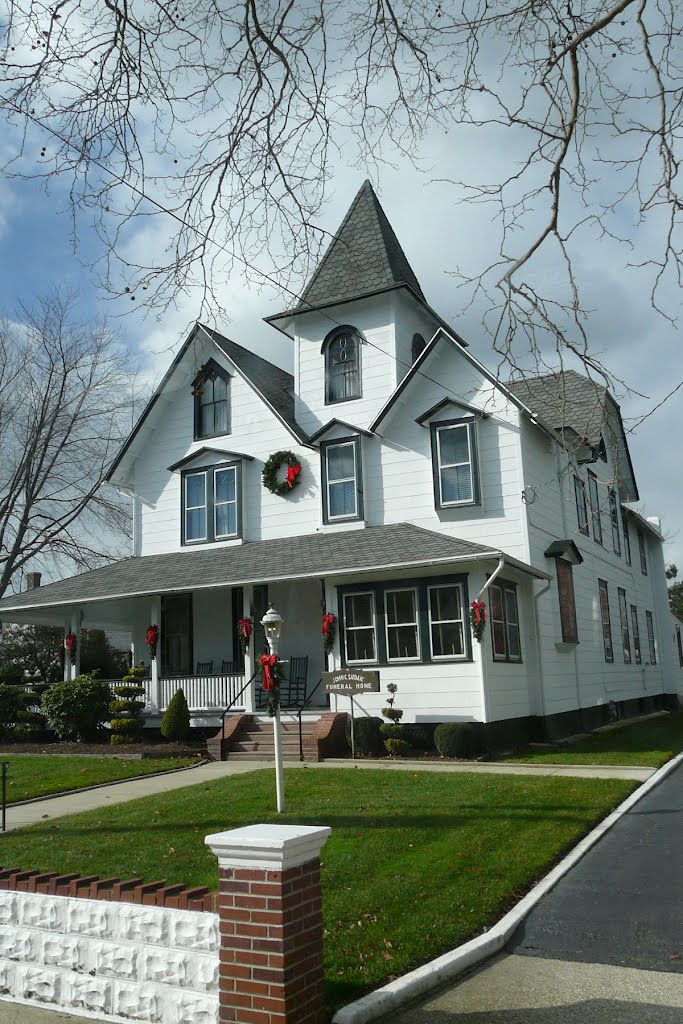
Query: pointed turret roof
{"type": "Point", "coordinates": [364, 256]}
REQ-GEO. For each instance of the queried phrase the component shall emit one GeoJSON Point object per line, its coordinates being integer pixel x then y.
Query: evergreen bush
{"type": "Point", "coordinates": [367, 739]}
{"type": "Point", "coordinates": [392, 731]}
{"type": "Point", "coordinates": [77, 708]}
{"type": "Point", "coordinates": [175, 725]}
{"type": "Point", "coordinates": [128, 707]}
{"type": "Point", "coordinates": [457, 739]}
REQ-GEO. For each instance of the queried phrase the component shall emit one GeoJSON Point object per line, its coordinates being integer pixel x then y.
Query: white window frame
{"type": "Point", "coordinates": [445, 622]}
{"type": "Point", "coordinates": [351, 629]}
{"type": "Point", "coordinates": [235, 500]}
{"type": "Point", "coordinates": [193, 508]}
{"type": "Point", "coordinates": [468, 426]}
{"type": "Point", "coordinates": [342, 480]}
{"type": "Point", "coordinates": [400, 625]}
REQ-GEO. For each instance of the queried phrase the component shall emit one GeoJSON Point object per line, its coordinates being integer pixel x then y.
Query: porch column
{"type": "Point", "coordinates": [247, 609]}
{"type": "Point", "coordinates": [155, 674]}
{"type": "Point", "coordinates": [72, 662]}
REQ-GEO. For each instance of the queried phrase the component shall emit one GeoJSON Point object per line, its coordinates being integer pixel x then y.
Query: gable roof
{"type": "Point", "coordinates": [568, 399]}
{"type": "Point", "coordinates": [273, 384]}
{"type": "Point", "coordinates": [375, 549]}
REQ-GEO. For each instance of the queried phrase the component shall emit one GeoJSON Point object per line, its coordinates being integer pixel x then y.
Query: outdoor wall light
{"type": "Point", "coordinates": [272, 624]}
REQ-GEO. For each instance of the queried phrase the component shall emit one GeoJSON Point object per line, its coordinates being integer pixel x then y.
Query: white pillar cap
{"type": "Point", "coordinates": [271, 847]}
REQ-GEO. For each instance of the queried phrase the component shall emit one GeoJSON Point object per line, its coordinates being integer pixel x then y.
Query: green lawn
{"type": "Point", "coordinates": [29, 775]}
{"type": "Point", "coordinates": [417, 862]}
{"type": "Point", "coordinates": [648, 743]}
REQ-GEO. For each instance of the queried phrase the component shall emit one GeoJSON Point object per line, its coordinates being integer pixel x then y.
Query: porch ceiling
{"type": "Point", "coordinates": [398, 546]}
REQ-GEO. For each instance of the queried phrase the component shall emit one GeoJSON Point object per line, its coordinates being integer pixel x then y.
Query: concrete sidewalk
{"type": "Point", "coordinates": [47, 808]}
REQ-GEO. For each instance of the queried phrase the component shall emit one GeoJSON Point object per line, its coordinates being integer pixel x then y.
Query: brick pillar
{"type": "Point", "coordinates": [270, 908]}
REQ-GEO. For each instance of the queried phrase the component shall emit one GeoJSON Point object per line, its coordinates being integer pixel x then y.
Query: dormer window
{"type": "Point", "coordinates": [211, 389]}
{"type": "Point", "coordinates": [342, 480]}
{"type": "Point", "coordinates": [341, 349]}
{"type": "Point", "coordinates": [454, 463]}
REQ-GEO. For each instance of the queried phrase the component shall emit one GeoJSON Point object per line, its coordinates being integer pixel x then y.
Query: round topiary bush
{"type": "Point", "coordinates": [175, 725]}
{"type": "Point", "coordinates": [396, 747]}
{"type": "Point", "coordinates": [77, 708]}
{"type": "Point", "coordinates": [457, 739]}
{"type": "Point", "coordinates": [128, 706]}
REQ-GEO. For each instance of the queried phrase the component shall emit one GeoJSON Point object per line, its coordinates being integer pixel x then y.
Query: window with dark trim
{"type": "Point", "coordinates": [565, 587]}
{"type": "Point", "coordinates": [417, 348]}
{"type": "Point", "coordinates": [211, 390]}
{"type": "Point", "coordinates": [625, 632]}
{"type": "Point", "coordinates": [636, 635]}
{"type": "Point", "coordinates": [211, 503]}
{"type": "Point", "coordinates": [606, 623]}
{"type": "Point", "coordinates": [454, 463]}
{"type": "Point", "coordinates": [504, 616]}
{"type": "Point", "coordinates": [627, 539]}
{"type": "Point", "coordinates": [595, 508]}
{"type": "Point", "coordinates": [614, 519]}
{"type": "Point", "coordinates": [419, 621]}
{"type": "Point", "coordinates": [581, 506]}
{"type": "Point", "coordinates": [643, 554]}
{"type": "Point", "coordinates": [679, 641]}
{"type": "Point", "coordinates": [341, 349]}
{"type": "Point", "coordinates": [342, 480]}
{"type": "Point", "coordinates": [649, 622]}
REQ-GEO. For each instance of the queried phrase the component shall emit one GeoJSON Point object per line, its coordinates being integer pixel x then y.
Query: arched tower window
{"type": "Point", "coordinates": [418, 347]}
{"type": "Point", "coordinates": [341, 349]}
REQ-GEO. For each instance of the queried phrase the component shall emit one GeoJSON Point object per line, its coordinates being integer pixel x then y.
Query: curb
{"type": "Point", "coordinates": [447, 967]}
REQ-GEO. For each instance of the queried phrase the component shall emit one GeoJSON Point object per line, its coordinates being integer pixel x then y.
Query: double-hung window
{"type": "Point", "coordinates": [342, 480]}
{"type": "Point", "coordinates": [456, 480]}
{"type": "Point", "coordinates": [643, 555]}
{"type": "Point", "coordinates": [595, 508]}
{"type": "Point", "coordinates": [402, 625]}
{"type": "Point", "coordinates": [627, 539]}
{"type": "Point", "coordinates": [360, 628]}
{"type": "Point", "coordinates": [406, 622]}
{"type": "Point", "coordinates": [504, 622]}
{"type": "Point", "coordinates": [606, 622]}
{"type": "Point", "coordinates": [211, 506]}
{"type": "Point", "coordinates": [211, 388]}
{"type": "Point", "coordinates": [625, 632]}
{"type": "Point", "coordinates": [614, 518]}
{"type": "Point", "coordinates": [446, 622]}
{"type": "Point", "coordinates": [581, 507]}
{"type": "Point", "coordinates": [636, 635]}
{"type": "Point", "coordinates": [649, 622]}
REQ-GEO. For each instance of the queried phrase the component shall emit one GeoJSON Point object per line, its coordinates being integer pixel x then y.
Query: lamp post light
{"type": "Point", "coordinates": [272, 625]}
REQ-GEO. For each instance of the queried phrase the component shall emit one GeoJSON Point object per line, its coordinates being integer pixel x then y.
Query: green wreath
{"type": "Point", "coordinates": [272, 468]}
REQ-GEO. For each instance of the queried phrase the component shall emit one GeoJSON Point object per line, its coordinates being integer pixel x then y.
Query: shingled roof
{"type": "Point", "coordinates": [566, 399]}
{"type": "Point", "coordinates": [314, 555]}
{"type": "Point", "coordinates": [364, 256]}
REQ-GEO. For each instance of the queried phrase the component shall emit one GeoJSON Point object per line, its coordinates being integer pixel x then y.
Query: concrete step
{"type": "Point", "coordinates": [239, 755]}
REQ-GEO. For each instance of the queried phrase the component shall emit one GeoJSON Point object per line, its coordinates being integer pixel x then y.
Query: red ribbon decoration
{"type": "Point", "coordinates": [292, 474]}
{"type": "Point", "coordinates": [246, 628]}
{"type": "Point", "coordinates": [328, 622]}
{"type": "Point", "coordinates": [152, 636]}
{"type": "Point", "coordinates": [70, 642]}
{"type": "Point", "coordinates": [479, 609]}
{"type": "Point", "coordinates": [268, 663]}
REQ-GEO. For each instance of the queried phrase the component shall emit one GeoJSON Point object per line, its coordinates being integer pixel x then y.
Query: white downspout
{"type": "Point", "coordinates": [487, 584]}
{"type": "Point", "coordinates": [501, 563]}
{"type": "Point", "coordinates": [539, 645]}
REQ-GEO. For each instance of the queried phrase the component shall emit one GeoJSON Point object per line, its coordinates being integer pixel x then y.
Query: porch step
{"type": "Point", "coordinates": [244, 738]}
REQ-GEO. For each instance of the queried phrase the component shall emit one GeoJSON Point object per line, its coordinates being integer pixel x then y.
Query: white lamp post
{"type": "Point", "coordinates": [272, 624]}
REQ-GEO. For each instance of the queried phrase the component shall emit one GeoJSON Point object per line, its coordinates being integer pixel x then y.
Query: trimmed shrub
{"type": "Point", "coordinates": [392, 731]}
{"type": "Point", "coordinates": [175, 725]}
{"type": "Point", "coordinates": [78, 708]}
{"type": "Point", "coordinates": [368, 741]}
{"type": "Point", "coordinates": [9, 706]}
{"type": "Point", "coordinates": [419, 736]}
{"type": "Point", "coordinates": [457, 739]}
{"type": "Point", "coordinates": [396, 747]}
{"type": "Point", "coordinates": [128, 706]}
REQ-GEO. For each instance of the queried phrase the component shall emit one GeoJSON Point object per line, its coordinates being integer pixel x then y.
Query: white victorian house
{"type": "Point", "coordinates": [425, 484]}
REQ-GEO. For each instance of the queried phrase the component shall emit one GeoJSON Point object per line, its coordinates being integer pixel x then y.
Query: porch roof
{"type": "Point", "coordinates": [376, 548]}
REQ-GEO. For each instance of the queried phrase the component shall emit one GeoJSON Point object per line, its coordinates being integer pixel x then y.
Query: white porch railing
{"type": "Point", "coordinates": [201, 692]}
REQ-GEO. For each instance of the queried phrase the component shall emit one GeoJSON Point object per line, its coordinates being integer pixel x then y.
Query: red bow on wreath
{"type": "Point", "coordinates": [268, 663]}
{"type": "Point", "coordinates": [292, 474]}
{"type": "Point", "coordinates": [479, 612]}
{"type": "Point", "coordinates": [246, 628]}
{"type": "Point", "coordinates": [152, 636]}
{"type": "Point", "coordinates": [328, 623]}
{"type": "Point", "coordinates": [70, 642]}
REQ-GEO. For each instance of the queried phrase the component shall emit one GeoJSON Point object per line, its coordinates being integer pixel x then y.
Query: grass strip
{"type": "Point", "coordinates": [33, 775]}
{"type": "Point", "coordinates": [648, 744]}
{"type": "Point", "coordinates": [416, 863]}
